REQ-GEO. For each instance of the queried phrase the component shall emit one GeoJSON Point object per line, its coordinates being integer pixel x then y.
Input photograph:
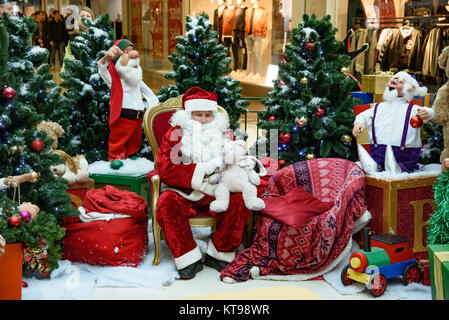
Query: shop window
{"type": "Point", "coordinates": [402, 36]}
{"type": "Point", "coordinates": [255, 32]}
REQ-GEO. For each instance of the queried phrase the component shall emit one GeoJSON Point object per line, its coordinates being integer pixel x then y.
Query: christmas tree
{"type": "Point", "coordinates": [438, 224]}
{"type": "Point", "coordinates": [434, 143]}
{"type": "Point", "coordinates": [200, 61]}
{"type": "Point", "coordinates": [87, 93]}
{"type": "Point", "coordinates": [311, 106]}
{"type": "Point", "coordinates": [23, 149]}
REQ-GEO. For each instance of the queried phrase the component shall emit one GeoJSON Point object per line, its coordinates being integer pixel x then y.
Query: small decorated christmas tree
{"type": "Point", "coordinates": [200, 61]}
{"type": "Point", "coordinates": [311, 106]}
{"type": "Point", "coordinates": [434, 143]}
{"type": "Point", "coordinates": [23, 149]}
{"type": "Point", "coordinates": [87, 93]}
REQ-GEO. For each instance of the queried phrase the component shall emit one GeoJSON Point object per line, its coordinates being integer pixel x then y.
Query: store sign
{"type": "Point", "coordinates": [157, 29]}
{"type": "Point", "coordinates": [174, 23]}
{"type": "Point", "coordinates": [136, 24]}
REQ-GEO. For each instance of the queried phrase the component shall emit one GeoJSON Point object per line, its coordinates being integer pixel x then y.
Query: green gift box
{"type": "Point", "coordinates": [439, 270]}
{"type": "Point", "coordinates": [135, 183]}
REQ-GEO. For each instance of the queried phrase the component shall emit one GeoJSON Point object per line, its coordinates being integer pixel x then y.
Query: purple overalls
{"type": "Point", "coordinates": [406, 158]}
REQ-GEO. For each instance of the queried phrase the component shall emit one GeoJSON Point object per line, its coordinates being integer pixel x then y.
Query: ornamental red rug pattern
{"type": "Point", "coordinates": [279, 249]}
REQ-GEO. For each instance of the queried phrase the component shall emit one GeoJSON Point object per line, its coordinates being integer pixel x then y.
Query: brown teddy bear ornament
{"type": "Point", "coordinates": [441, 108]}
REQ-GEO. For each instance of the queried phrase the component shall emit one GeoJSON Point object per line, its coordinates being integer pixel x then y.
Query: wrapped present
{"type": "Point", "coordinates": [439, 270]}
{"type": "Point", "coordinates": [375, 83]}
{"type": "Point", "coordinates": [402, 206]}
{"type": "Point", "coordinates": [11, 272]}
{"type": "Point", "coordinates": [366, 97]}
{"type": "Point", "coordinates": [77, 191]}
{"type": "Point", "coordinates": [363, 138]}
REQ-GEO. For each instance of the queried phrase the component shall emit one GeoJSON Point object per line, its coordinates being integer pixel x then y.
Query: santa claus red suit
{"type": "Point", "coordinates": [126, 105]}
{"type": "Point", "coordinates": [190, 152]}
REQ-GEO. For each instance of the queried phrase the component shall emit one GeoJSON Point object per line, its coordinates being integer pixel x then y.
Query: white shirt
{"type": "Point", "coordinates": [132, 97]}
{"type": "Point", "coordinates": [389, 123]}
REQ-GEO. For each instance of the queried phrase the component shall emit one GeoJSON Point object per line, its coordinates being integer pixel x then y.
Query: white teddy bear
{"type": "Point", "coordinates": [238, 179]}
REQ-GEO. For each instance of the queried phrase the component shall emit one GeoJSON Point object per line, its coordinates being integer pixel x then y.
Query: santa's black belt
{"type": "Point", "coordinates": [132, 114]}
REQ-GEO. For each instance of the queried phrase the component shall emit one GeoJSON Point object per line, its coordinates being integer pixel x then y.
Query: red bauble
{"type": "Point", "coordinates": [14, 221]}
{"type": "Point", "coordinates": [281, 163]}
{"type": "Point", "coordinates": [416, 122]}
{"type": "Point", "coordinates": [284, 55]}
{"type": "Point", "coordinates": [272, 118]}
{"type": "Point", "coordinates": [284, 138]}
{"type": "Point", "coordinates": [37, 145]}
{"type": "Point", "coordinates": [309, 46]}
{"type": "Point", "coordinates": [320, 112]}
{"type": "Point", "coordinates": [9, 93]}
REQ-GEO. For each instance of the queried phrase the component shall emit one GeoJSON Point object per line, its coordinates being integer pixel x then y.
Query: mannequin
{"type": "Point", "coordinates": [218, 20]}
{"type": "Point", "coordinates": [255, 30]}
{"type": "Point", "coordinates": [228, 24]}
{"type": "Point", "coordinates": [239, 49]}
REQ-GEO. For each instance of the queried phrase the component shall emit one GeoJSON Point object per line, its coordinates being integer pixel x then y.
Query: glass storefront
{"type": "Point", "coordinates": [254, 31]}
{"type": "Point", "coordinates": [402, 36]}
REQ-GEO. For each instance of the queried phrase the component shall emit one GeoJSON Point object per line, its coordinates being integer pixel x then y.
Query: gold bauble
{"type": "Point", "coordinates": [14, 149]}
{"type": "Point", "coordinates": [304, 80]}
{"type": "Point", "coordinates": [310, 156]}
{"type": "Point", "coordinates": [300, 122]}
{"type": "Point", "coordinates": [344, 70]}
{"type": "Point", "coordinates": [346, 138]}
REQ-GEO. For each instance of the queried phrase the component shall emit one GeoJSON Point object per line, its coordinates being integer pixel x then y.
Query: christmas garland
{"type": "Point", "coordinates": [438, 224]}
{"type": "Point", "coordinates": [41, 237]}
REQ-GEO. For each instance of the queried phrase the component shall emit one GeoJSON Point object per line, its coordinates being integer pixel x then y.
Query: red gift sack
{"type": "Point", "coordinates": [115, 242]}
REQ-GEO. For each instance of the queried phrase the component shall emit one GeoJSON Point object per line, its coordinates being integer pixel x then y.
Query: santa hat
{"type": "Point", "coordinates": [197, 99]}
{"type": "Point", "coordinates": [417, 89]}
{"type": "Point", "coordinates": [122, 44]}
{"type": "Point", "coordinates": [116, 84]}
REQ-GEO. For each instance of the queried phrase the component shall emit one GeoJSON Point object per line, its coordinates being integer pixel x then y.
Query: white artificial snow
{"type": "Point", "coordinates": [130, 167]}
{"type": "Point", "coordinates": [77, 281]}
{"type": "Point", "coordinates": [98, 33]}
{"type": "Point", "coordinates": [424, 170]}
{"type": "Point", "coordinates": [308, 31]}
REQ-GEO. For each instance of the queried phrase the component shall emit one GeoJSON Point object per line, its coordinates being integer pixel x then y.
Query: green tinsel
{"type": "Point", "coordinates": [438, 224]}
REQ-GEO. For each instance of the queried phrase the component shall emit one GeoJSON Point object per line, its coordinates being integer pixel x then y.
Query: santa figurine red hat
{"type": "Point", "coordinates": [197, 99]}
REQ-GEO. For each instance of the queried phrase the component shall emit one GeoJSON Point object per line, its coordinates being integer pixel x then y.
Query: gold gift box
{"type": "Point", "coordinates": [375, 83]}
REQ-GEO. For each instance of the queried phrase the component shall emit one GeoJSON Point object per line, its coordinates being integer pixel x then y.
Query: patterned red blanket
{"type": "Point", "coordinates": [311, 250]}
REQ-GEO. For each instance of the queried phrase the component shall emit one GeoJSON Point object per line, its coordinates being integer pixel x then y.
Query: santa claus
{"type": "Point", "coordinates": [120, 69]}
{"type": "Point", "coordinates": [191, 151]}
{"type": "Point", "coordinates": [394, 137]}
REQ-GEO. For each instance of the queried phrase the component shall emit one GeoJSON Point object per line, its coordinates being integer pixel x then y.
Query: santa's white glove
{"type": "Point", "coordinates": [212, 165]}
{"type": "Point", "coordinates": [247, 162]}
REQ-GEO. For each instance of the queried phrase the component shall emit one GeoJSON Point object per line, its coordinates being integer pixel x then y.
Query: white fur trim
{"type": "Point", "coordinates": [2, 241]}
{"type": "Point", "coordinates": [200, 105]}
{"type": "Point", "coordinates": [98, 216]}
{"type": "Point", "coordinates": [198, 175]}
{"type": "Point", "coordinates": [222, 256]}
{"type": "Point", "coordinates": [188, 258]}
{"type": "Point", "coordinates": [358, 225]}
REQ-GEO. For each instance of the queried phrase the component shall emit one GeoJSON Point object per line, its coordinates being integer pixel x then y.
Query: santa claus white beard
{"type": "Point", "coordinates": [200, 142]}
{"type": "Point", "coordinates": [390, 95]}
{"type": "Point", "coordinates": [131, 74]}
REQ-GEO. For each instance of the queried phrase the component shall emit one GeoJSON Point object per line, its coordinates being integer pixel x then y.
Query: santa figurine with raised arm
{"type": "Point", "coordinates": [189, 155]}
{"type": "Point", "coordinates": [120, 69]}
{"type": "Point", "coordinates": [394, 128]}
